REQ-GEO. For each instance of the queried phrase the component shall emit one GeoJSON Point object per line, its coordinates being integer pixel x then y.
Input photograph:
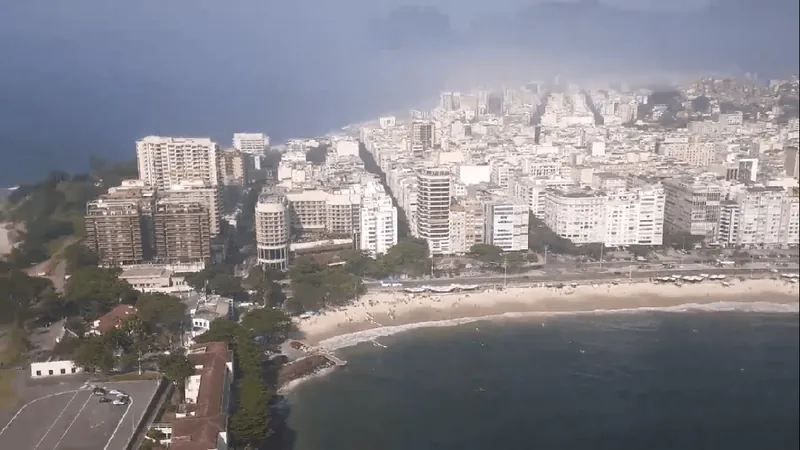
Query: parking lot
{"type": "Point", "coordinates": [75, 419]}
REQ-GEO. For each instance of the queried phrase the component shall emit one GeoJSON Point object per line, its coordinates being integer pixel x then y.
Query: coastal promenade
{"type": "Point", "coordinates": [555, 276]}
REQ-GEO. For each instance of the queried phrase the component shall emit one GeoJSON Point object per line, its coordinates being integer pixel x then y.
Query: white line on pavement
{"type": "Point", "coordinates": [56, 420]}
{"type": "Point", "coordinates": [119, 424]}
{"type": "Point", "coordinates": [32, 402]}
{"type": "Point", "coordinates": [73, 422]}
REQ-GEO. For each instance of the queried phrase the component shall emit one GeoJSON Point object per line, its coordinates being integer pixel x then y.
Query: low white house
{"type": "Point", "coordinates": [54, 367]}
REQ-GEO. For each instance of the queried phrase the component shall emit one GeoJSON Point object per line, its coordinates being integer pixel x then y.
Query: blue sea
{"type": "Point", "coordinates": [629, 381]}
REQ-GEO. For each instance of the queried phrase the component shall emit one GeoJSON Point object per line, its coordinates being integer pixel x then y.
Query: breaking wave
{"type": "Point", "coordinates": [353, 339]}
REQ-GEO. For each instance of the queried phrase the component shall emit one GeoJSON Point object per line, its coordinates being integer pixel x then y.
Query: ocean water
{"type": "Point", "coordinates": [647, 380]}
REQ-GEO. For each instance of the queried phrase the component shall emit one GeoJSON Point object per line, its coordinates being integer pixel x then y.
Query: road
{"type": "Point", "coordinates": [572, 276]}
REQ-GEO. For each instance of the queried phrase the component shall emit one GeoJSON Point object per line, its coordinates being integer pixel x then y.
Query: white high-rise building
{"type": "Point", "coordinates": [433, 209]}
{"type": "Point", "coordinates": [378, 220]}
{"type": "Point", "coordinates": [635, 217]}
{"type": "Point", "coordinates": [272, 226]}
{"type": "Point", "coordinates": [168, 161]}
{"type": "Point", "coordinates": [420, 136]}
{"type": "Point", "coordinates": [760, 217]}
{"type": "Point", "coordinates": [576, 215]}
{"type": "Point", "coordinates": [692, 206]}
{"type": "Point", "coordinates": [209, 197]}
{"type": "Point", "coordinates": [507, 224]}
{"type": "Point", "coordinates": [251, 143]}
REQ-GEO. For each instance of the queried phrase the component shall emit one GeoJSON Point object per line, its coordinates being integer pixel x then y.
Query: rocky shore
{"type": "Point", "coordinates": [303, 367]}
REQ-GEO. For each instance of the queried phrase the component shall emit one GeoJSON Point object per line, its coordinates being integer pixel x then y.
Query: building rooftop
{"type": "Point", "coordinates": [200, 430]}
{"type": "Point", "coordinates": [114, 318]}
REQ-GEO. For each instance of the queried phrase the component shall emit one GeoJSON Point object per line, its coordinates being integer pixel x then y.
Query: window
{"type": "Point", "coordinates": [50, 372]}
{"type": "Point", "coordinates": [63, 371]}
{"type": "Point", "coordinates": [38, 373]}
{"type": "Point", "coordinates": [74, 370]}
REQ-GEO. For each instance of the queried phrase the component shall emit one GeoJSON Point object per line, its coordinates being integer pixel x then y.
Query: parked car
{"type": "Point", "coordinates": [99, 391]}
{"type": "Point", "coordinates": [104, 400]}
{"type": "Point", "coordinates": [120, 401]}
{"type": "Point", "coordinates": [116, 392]}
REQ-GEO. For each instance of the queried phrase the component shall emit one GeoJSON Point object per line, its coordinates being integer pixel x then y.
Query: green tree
{"type": "Point", "coordinates": [176, 368]}
{"type": "Point", "coordinates": [217, 279]}
{"type": "Point", "coordinates": [95, 354]}
{"type": "Point", "coordinates": [409, 257]}
{"type": "Point", "coordinates": [486, 253]}
{"type": "Point", "coordinates": [18, 295]}
{"type": "Point", "coordinates": [222, 330]}
{"type": "Point", "coordinates": [360, 264]}
{"type": "Point", "coordinates": [541, 237]}
{"type": "Point", "coordinates": [78, 255]}
{"type": "Point", "coordinates": [161, 312]}
{"type": "Point", "coordinates": [95, 290]}
{"type": "Point", "coordinates": [264, 281]}
{"type": "Point", "coordinates": [271, 323]}
{"type": "Point", "coordinates": [250, 422]}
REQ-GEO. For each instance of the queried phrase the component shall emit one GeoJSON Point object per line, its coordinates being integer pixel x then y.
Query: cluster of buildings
{"type": "Point", "coordinates": [474, 169]}
{"type": "Point", "coordinates": [333, 204]}
{"type": "Point", "coordinates": [171, 213]}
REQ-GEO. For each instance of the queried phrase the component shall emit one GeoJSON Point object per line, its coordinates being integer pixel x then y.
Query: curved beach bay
{"type": "Point", "coordinates": [721, 372]}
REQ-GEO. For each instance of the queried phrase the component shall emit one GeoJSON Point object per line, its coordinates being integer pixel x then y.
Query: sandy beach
{"type": "Point", "coordinates": [390, 309]}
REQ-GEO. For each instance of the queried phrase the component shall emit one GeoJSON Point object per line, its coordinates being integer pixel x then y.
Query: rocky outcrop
{"type": "Point", "coordinates": [303, 367]}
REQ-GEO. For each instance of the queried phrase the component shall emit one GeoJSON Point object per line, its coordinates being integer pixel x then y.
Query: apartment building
{"type": "Point", "coordinates": [210, 197]}
{"type": "Point", "coordinates": [433, 209]}
{"type": "Point", "coordinates": [167, 161]}
{"type": "Point", "coordinates": [689, 149]}
{"type": "Point", "coordinates": [251, 143]}
{"type": "Point", "coordinates": [181, 232]}
{"type": "Point", "coordinates": [467, 224]}
{"type": "Point", "coordinates": [273, 233]}
{"type": "Point", "coordinates": [576, 215]}
{"type": "Point", "coordinates": [692, 206]}
{"type": "Point", "coordinates": [318, 212]}
{"type": "Point", "coordinates": [760, 217]}
{"type": "Point", "coordinates": [119, 224]}
{"type": "Point", "coordinates": [634, 217]}
{"type": "Point", "coordinates": [233, 168]}
{"type": "Point", "coordinates": [507, 224]}
{"type": "Point", "coordinates": [378, 220]}
{"type": "Point", "coordinates": [791, 162]}
{"type": "Point", "coordinates": [420, 137]}
{"type": "Point", "coordinates": [533, 191]}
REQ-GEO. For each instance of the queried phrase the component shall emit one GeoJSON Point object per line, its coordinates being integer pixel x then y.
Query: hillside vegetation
{"type": "Point", "coordinates": [50, 213]}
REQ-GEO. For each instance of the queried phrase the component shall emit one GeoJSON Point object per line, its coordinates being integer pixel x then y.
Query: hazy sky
{"type": "Point", "coordinates": [79, 77]}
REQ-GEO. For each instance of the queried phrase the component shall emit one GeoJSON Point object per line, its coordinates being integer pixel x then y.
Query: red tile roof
{"type": "Point", "coordinates": [115, 317]}
{"type": "Point", "coordinates": [199, 432]}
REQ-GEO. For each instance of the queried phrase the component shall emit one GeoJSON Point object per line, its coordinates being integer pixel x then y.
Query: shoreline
{"type": "Point", "coordinates": [386, 313]}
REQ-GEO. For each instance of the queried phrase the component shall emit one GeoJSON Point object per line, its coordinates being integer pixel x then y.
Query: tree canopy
{"type": "Point", "coordinates": [217, 279]}
{"type": "Point", "coordinates": [94, 353]}
{"type": "Point", "coordinates": [315, 286]}
{"type": "Point", "coordinates": [541, 237]}
{"type": "Point", "coordinates": [486, 253]}
{"type": "Point", "coordinates": [264, 281]}
{"type": "Point", "coordinates": [95, 291]}
{"type": "Point", "coordinates": [176, 368]}
{"type": "Point", "coordinates": [269, 322]}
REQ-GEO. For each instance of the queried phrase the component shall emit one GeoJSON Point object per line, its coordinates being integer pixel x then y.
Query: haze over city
{"type": "Point", "coordinates": [85, 77]}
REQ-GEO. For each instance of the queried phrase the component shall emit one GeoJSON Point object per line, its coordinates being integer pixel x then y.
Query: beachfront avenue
{"type": "Point", "coordinates": [606, 275]}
